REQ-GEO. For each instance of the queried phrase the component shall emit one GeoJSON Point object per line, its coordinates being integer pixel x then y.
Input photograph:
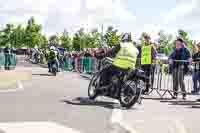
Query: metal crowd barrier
{"type": "Point", "coordinates": [162, 77]}
{"type": "Point", "coordinates": [168, 81]}
{"type": "Point", "coordinates": [81, 64]}
{"type": "Point", "coordinates": [8, 60]}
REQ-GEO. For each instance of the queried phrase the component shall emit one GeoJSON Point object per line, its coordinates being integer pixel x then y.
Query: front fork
{"type": "Point", "coordinates": [140, 85]}
{"type": "Point", "coordinates": [139, 101]}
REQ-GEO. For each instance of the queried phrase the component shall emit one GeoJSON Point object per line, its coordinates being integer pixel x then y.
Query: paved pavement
{"type": "Point", "coordinates": [52, 104]}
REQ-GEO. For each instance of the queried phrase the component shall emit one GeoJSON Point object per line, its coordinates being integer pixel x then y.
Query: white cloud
{"type": "Point", "coordinates": [184, 8]}
{"type": "Point", "coordinates": [185, 15]}
{"type": "Point", "coordinates": [70, 14]}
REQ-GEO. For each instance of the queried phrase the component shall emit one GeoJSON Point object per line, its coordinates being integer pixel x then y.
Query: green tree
{"type": "Point", "coordinates": [43, 41]}
{"type": "Point", "coordinates": [96, 39]}
{"type": "Point", "coordinates": [185, 36]}
{"type": "Point", "coordinates": [166, 43]}
{"type": "Point", "coordinates": [33, 33]}
{"type": "Point", "coordinates": [54, 39]}
{"type": "Point", "coordinates": [111, 37]}
{"type": "Point", "coordinates": [66, 40]}
{"type": "Point", "coordinates": [79, 40]}
{"type": "Point", "coordinates": [76, 42]}
{"type": "Point", "coordinates": [17, 37]}
{"type": "Point", "coordinates": [5, 34]}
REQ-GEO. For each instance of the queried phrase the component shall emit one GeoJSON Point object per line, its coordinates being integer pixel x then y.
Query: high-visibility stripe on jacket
{"type": "Point", "coordinates": [146, 56]}
{"type": "Point", "coordinates": [126, 57]}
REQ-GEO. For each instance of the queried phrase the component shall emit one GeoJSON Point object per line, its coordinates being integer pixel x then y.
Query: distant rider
{"type": "Point", "coordinates": [52, 56]}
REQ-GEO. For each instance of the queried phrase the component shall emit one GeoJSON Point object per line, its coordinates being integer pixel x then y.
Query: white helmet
{"type": "Point", "coordinates": [52, 48]}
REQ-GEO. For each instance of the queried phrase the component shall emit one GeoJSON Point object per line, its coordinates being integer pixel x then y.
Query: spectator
{"type": "Point", "coordinates": [196, 74]}
{"type": "Point", "coordinates": [7, 53]}
{"type": "Point", "coordinates": [74, 61]}
{"type": "Point", "coordinates": [148, 56]}
{"type": "Point", "coordinates": [179, 59]}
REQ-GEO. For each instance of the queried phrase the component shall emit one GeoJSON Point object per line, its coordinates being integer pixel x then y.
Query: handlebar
{"type": "Point", "coordinates": [108, 59]}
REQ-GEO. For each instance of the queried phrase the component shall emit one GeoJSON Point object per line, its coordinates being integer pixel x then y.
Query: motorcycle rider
{"type": "Point", "coordinates": [52, 56]}
{"type": "Point", "coordinates": [125, 56]}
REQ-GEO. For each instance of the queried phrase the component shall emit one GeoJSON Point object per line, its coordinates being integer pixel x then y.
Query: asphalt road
{"type": "Point", "coordinates": [59, 104]}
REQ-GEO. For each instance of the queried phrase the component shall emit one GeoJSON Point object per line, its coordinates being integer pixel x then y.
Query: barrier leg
{"type": "Point", "coordinates": [169, 92]}
{"type": "Point", "coordinates": [89, 65]}
{"type": "Point", "coordinates": [13, 61]}
{"type": "Point", "coordinates": [65, 65]}
{"type": "Point", "coordinates": [85, 65]}
{"type": "Point", "coordinates": [2, 60]}
{"type": "Point", "coordinates": [92, 65]}
{"type": "Point", "coordinates": [7, 61]}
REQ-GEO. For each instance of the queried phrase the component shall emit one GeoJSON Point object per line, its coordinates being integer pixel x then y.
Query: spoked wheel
{"type": "Point", "coordinates": [129, 94]}
{"type": "Point", "coordinates": [92, 89]}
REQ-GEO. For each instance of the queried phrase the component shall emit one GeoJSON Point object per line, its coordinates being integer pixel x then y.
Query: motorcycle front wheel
{"type": "Point", "coordinates": [92, 89]}
{"type": "Point", "coordinates": [54, 72]}
{"type": "Point", "coordinates": [129, 94]}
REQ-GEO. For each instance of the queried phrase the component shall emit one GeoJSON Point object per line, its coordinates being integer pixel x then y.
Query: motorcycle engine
{"type": "Point", "coordinates": [115, 80]}
{"type": "Point", "coordinates": [141, 84]}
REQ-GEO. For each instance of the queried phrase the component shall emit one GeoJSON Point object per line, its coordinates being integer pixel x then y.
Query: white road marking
{"type": "Point", "coordinates": [117, 118]}
{"type": "Point", "coordinates": [173, 125]}
{"type": "Point", "coordinates": [178, 127]}
{"type": "Point", "coordinates": [36, 127]}
{"type": "Point", "coordinates": [19, 88]}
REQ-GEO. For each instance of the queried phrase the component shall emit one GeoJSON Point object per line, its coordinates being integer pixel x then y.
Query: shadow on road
{"type": "Point", "coordinates": [159, 99]}
{"type": "Point", "coordinates": [175, 101]}
{"type": "Point", "coordinates": [191, 104]}
{"type": "Point", "coordinates": [87, 77]}
{"type": "Point", "coordinates": [42, 75]}
{"type": "Point", "coordinates": [84, 101]}
{"type": "Point", "coordinates": [195, 107]}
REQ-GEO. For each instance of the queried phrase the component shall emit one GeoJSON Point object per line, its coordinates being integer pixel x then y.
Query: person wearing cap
{"type": "Point", "coordinates": [179, 61]}
{"type": "Point", "coordinates": [196, 74]}
{"type": "Point", "coordinates": [148, 56]}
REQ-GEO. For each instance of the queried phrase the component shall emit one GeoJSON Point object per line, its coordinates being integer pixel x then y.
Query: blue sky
{"type": "Point", "coordinates": [126, 15]}
{"type": "Point", "coordinates": [145, 8]}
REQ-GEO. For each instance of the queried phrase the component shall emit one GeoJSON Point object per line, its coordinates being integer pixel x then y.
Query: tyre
{"type": "Point", "coordinates": [54, 70]}
{"type": "Point", "coordinates": [94, 82]}
{"type": "Point", "coordinates": [129, 94]}
{"type": "Point", "coordinates": [54, 73]}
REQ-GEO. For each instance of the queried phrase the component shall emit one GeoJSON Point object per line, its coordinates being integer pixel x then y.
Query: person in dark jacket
{"type": "Point", "coordinates": [196, 74]}
{"type": "Point", "coordinates": [179, 60]}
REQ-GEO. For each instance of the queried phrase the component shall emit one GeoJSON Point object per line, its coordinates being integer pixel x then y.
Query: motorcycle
{"type": "Point", "coordinates": [128, 86]}
{"type": "Point", "coordinates": [36, 58]}
{"type": "Point", "coordinates": [53, 68]}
